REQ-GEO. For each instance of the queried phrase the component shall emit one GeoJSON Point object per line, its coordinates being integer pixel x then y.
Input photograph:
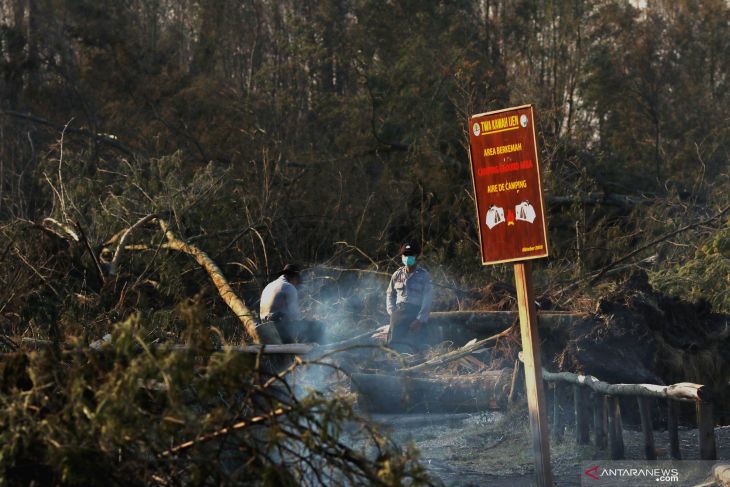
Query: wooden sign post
{"type": "Point", "coordinates": [508, 195]}
{"type": "Point", "coordinates": [533, 374]}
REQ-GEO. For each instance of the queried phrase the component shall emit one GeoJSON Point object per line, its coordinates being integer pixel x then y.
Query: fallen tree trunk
{"type": "Point", "coordinates": [421, 420]}
{"type": "Point", "coordinates": [245, 316]}
{"type": "Point", "coordinates": [683, 391]}
{"type": "Point", "coordinates": [379, 393]}
{"type": "Point", "coordinates": [722, 475]}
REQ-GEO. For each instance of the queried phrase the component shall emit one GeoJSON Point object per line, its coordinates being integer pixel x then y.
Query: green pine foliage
{"type": "Point", "coordinates": [704, 275]}
{"type": "Point", "coordinates": [125, 415]}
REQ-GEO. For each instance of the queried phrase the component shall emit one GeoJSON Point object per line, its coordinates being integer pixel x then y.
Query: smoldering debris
{"type": "Point", "coordinates": [640, 335]}
{"type": "Point", "coordinates": [635, 335]}
{"type": "Point", "coordinates": [348, 303]}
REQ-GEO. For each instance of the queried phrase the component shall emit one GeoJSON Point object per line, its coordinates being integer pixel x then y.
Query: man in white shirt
{"type": "Point", "coordinates": [280, 304]}
{"type": "Point", "coordinates": [281, 296]}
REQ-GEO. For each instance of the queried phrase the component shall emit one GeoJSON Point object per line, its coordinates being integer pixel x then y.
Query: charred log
{"type": "Point", "coordinates": [379, 393]}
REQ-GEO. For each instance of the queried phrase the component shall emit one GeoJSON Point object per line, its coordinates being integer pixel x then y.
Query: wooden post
{"type": "Point", "coordinates": [600, 421]}
{"type": "Point", "coordinates": [558, 425]}
{"type": "Point", "coordinates": [673, 429]}
{"type": "Point", "coordinates": [706, 431]}
{"type": "Point", "coordinates": [582, 418]}
{"type": "Point", "coordinates": [533, 373]}
{"type": "Point", "coordinates": [569, 409]}
{"type": "Point", "coordinates": [646, 427]}
{"type": "Point", "coordinates": [549, 404]}
{"type": "Point", "coordinates": [615, 429]}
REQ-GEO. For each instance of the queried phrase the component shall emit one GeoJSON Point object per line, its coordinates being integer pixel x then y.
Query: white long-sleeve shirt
{"type": "Point", "coordinates": [280, 296]}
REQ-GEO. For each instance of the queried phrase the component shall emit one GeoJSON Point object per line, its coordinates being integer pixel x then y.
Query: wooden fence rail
{"type": "Point", "coordinates": [595, 404]}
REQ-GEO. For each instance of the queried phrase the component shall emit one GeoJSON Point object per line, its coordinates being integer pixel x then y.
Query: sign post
{"type": "Point", "coordinates": [508, 196]}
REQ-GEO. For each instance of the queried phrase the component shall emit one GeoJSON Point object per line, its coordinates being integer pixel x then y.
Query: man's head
{"type": "Point", "coordinates": [409, 251]}
{"type": "Point", "coordinates": [292, 274]}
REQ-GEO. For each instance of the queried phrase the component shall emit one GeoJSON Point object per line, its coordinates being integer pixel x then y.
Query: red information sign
{"type": "Point", "coordinates": [506, 177]}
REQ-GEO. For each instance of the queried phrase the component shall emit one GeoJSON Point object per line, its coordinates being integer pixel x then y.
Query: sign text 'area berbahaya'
{"type": "Point", "coordinates": [506, 176]}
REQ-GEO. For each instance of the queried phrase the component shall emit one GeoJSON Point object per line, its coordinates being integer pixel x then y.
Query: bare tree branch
{"type": "Point", "coordinates": [87, 246]}
{"type": "Point", "coordinates": [61, 229]}
{"type": "Point", "coordinates": [224, 431]}
{"type": "Point", "coordinates": [120, 245]}
{"type": "Point", "coordinates": [104, 138]}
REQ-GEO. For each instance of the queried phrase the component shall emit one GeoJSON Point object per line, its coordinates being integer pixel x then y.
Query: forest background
{"type": "Point", "coordinates": [335, 130]}
{"type": "Point", "coordinates": [323, 133]}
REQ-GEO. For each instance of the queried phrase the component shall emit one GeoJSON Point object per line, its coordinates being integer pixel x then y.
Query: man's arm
{"type": "Point", "coordinates": [426, 300]}
{"type": "Point", "coordinates": [390, 295]}
{"type": "Point", "coordinates": [265, 303]}
{"type": "Point", "coordinates": [292, 299]}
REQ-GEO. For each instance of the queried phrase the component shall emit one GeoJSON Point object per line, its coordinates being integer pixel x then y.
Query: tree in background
{"type": "Point", "coordinates": [338, 126]}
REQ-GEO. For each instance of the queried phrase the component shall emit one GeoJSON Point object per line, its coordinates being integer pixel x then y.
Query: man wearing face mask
{"type": "Point", "coordinates": [408, 300]}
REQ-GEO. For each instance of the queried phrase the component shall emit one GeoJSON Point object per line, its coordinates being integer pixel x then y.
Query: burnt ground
{"type": "Point", "coordinates": [635, 335]}
{"type": "Point", "coordinates": [493, 448]}
{"type": "Point", "coordinates": [639, 335]}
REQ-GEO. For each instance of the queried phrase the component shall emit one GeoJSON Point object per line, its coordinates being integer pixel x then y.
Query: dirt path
{"type": "Point", "coordinates": [492, 449]}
